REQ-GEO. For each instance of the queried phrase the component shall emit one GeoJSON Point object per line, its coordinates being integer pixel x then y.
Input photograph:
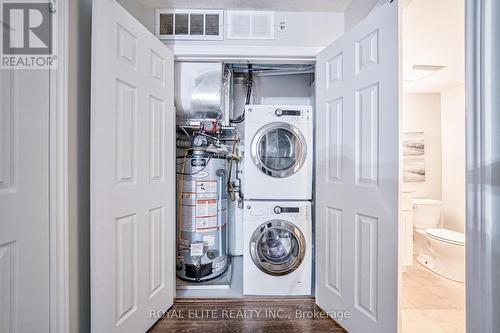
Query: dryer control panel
{"type": "Point", "coordinates": [286, 113]}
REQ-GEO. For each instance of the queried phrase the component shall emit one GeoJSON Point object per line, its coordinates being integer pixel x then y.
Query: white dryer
{"type": "Point", "coordinates": [278, 152]}
{"type": "Point", "coordinates": [278, 246]}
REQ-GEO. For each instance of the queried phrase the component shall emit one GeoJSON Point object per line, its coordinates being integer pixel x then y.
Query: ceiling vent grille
{"type": "Point", "coordinates": [243, 24]}
{"type": "Point", "coordinates": [189, 24]}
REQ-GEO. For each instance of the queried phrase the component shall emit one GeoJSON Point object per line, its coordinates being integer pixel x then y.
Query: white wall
{"type": "Point", "coordinates": [138, 11]}
{"type": "Point", "coordinates": [442, 118]}
{"type": "Point", "coordinates": [314, 29]}
{"type": "Point", "coordinates": [357, 11]}
{"type": "Point", "coordinates": [283, 89]}
{"type": "Point", "coordinates": [453, 161]}
{"type": "Point", "coordinates": [78, 164]}
{"type": "Point", "coordinates": [483, 170]}
{"type": "Point", "coordinates": [421, 113]}
{"type": "Point", "coordinates": [494, 152]}
{"type": "Point", "coordinates": [433, 34]}
{"type": "Point", "coordinates": [493, 157]}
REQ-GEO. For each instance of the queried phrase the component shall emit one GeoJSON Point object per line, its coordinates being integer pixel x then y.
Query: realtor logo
{"type": "Point", "coordinates": [27, 34]}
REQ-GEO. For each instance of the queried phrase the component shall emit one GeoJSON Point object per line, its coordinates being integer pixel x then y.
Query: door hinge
{"type": "Point", "coordinates": [52, 7]}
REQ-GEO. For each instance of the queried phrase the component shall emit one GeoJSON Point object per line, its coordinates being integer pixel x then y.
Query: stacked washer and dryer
{"type": "Point", "coordinates": [277, 182]}
{"type": "Point", "coordinates": [277, 259]}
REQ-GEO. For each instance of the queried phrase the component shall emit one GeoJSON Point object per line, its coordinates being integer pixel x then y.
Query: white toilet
{"type": "Point", "coordinates": [440, 250]}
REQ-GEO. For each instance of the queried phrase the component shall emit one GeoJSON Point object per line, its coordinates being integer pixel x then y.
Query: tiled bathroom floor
{"type": "Point", "coordinates": [431, 303]}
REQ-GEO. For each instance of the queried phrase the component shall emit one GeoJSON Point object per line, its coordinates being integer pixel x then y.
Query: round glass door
{"type": "Point", "coordinates": [277, 247]}
{"type": "Point", "coordinates": [279, 150]}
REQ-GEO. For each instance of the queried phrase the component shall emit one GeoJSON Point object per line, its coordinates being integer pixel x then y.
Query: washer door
{"type": "Point", "coordinates": [277, 247]}
{"type": "Point", "coordinates": [279, 150]}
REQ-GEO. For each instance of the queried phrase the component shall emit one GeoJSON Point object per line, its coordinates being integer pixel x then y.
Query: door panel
{"type": "Point", "coordinates": [357, 174]}
{"type": "Point", "coordinates": [133, 179]}
{"type": "Point", "coordinates": [24, 201]}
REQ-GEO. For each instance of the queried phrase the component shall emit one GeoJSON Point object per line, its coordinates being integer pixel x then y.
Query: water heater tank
{"type": "Point", "coordinates": [202, 217]}
{"type": "Point", "coordinates": [199, 90]}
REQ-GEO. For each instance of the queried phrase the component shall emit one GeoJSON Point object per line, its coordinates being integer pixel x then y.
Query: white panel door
{"type": "Point", "coordinates": [24, 201]}
{"type": "Point", "coordinates": [132, 173]}
{"type": "Point", "coordinates": [357, 174]}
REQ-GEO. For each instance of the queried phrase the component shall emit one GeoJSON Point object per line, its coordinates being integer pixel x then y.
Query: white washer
{"type": "Point", "coordinates": [278, 152]}
{"type": "Point", "coordinates": [278, 246]}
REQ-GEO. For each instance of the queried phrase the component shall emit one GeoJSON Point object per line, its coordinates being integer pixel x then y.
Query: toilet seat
{"type": "Point", "coordinates": [445, 235]}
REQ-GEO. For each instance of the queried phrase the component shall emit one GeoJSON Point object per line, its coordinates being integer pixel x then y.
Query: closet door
{"type": "Point", "coordinates": [132, 173]}
{"type": "Point", "coordinates": [24, 201]}
{"type": "Point", "coordinates": [357, 174]}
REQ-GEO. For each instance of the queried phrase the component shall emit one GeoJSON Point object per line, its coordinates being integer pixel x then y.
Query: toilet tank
{"type": "Point", "coordinates": [426, 213]}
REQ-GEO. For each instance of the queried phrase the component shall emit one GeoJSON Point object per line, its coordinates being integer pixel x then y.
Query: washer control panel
{"type": "Point", "coordinates": [280, 210]}
{"type": "Point", "coordinates": [287, 210]}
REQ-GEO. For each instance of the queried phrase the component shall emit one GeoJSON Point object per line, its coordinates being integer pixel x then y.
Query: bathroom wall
{"type": "Point", "coordinates": [453, 161]}
{"type": "Point", "coordinates": [442, 118]}
{"type": "Point", "coordinates": [422, 113]}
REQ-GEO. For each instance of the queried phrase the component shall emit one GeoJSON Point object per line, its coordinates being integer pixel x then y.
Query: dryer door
{"type": "Point", "coordinates": [277, 247]}
{"type": "Point", "coordinates": [279, 150]}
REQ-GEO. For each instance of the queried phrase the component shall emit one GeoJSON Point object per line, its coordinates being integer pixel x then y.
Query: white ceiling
{"type": "Point", "coordinates": [278, 5]}
{"type": "Point", "coordinates": [433, 34]}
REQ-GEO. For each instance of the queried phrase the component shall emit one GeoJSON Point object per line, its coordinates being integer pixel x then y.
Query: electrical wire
{"type": "Point", "coordinates": [275, 69]}
{"type": "Point", "coordinates": [249, 85]}
{"type": "Point", "coordinates": [241, 118]}
{"type": "Point", "coordinates": [183, 162]}
{"type": "Point", "coordinates": [186, 132]}
{"type": "Point", "coordinates": [230, 187]}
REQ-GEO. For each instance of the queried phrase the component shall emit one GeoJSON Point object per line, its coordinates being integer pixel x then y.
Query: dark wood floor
{"type": "Point", "coordinates": [266, 315]}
